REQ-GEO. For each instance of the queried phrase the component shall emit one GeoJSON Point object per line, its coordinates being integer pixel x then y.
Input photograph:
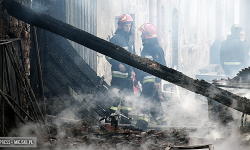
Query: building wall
{"type": "Point", "coordinates": [11, 28]}
{"type": "Point", "coordinates": [82, 14]}
{"type": "Point", "coordinates": [193, 50]}
{"type": "Point", "coordinates": [244, 16]}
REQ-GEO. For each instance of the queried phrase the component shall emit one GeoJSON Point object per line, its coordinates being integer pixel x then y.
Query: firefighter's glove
{"type": "Point", "coordinates": [122, 68]}
{"type": "Point", "coordinates": [156, 85]}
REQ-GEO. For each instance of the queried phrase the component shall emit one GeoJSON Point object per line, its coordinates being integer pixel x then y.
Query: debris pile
{"type": "Point", "coordinates": [107, 137]}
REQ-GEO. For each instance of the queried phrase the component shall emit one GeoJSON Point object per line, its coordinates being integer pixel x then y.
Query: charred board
{"type": "Point", "coordinates": [64, 68]}
{"type": "Point", "coordinates": [243, 76]}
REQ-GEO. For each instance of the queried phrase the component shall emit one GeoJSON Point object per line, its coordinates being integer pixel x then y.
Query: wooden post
{"type": "Point", "coordinates": [159, 20]}
{"type": "Point", "coordinates": [2, 88]}
{"type": "Point", "coordinates": [39, 69]}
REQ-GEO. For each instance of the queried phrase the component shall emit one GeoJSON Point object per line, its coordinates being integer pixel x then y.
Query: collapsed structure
{"type": "Point", "coordinates": [64, 69]}
{"type": "Point", "coordinates": [65, 30]}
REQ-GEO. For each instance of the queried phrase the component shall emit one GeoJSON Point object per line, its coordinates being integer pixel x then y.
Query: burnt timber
{"type": "Point", "coordinates": [63, 68]}
{"type": "Point", "coordinates": [17, 97]}
{"type": "Point", "coordinates": [88, 40]}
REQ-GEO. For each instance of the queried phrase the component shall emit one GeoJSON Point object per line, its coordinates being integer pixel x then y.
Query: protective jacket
{"type": "Point", "coordinates": [233, 55]}
{"type": "Point", "coordinates": [122, 39]}
{"type": "Point", "coordinates": [151, 50]}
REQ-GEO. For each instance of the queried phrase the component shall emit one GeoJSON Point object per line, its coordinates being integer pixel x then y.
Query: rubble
{"type": "Point", "coordinates": [107, 137]}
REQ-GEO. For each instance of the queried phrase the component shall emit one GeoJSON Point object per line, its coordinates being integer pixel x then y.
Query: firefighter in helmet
{"type": "Point", "coordinates": [150, 84]}
{"type": "Point", "coordinates": [122, 73]}
{"type": "Point", "coordinates": [233, 56]}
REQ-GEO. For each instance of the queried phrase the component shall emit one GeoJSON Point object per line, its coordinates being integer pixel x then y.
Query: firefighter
{"type": "Point", "coordinates": [150, 84]}
{"type": "Point", "coordinates": [122, 73]}
{"type": "Point", "coordinates": [233, 56]}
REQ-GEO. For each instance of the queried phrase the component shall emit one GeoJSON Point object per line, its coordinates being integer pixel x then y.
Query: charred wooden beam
{"type": "Point", "coordinates": [23, 79]}
{"type": "Point", "coordinates": [12, 107]}
{"type": "Point", "coordinates": [10, 98]}
{"type": "Point", "coordinates": [210, 147]}
{"type": "Point", "coordinates": [39, 69]}
{"type": "Point", "coordinates": [118, 53]}
{"type": "Point", "coordinates": [2, 87]}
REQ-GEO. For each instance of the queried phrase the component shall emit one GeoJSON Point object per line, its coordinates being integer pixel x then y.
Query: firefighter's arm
{"type": "Point", "coordinates": [136, 76]}
{"type": "Point", "coordinates": [160, 60]}
{"type": "Point", "coordinates": [115, 64]}
{"type": "Point", "coordinates": [122, 67]}
{"type": "Point", "coordinates": [157, 85]}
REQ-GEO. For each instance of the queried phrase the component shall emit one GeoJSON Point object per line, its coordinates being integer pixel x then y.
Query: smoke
{"type": "Point", "coordinates": [222, 137]}
{"type": "Point", "coordinates": [223, 129]}
{"type": "Point", "coordinates": [184, 108]}
{"type": "Point", "coordinates": [232, 142]}
{"type": "Point", "coordinates": [28, 130]}
{"type": "Point", "coordinates": [39, 7]}
{"type": "Point", "coordinates": [184, 111]}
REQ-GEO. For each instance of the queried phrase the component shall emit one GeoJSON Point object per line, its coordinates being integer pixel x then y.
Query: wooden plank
{"type": "Point", "coordinates": [59, 46]}
{"type": "Point", "coordinates": [69, 69]}
{"type": "Point", "coordinates": [209, 146]}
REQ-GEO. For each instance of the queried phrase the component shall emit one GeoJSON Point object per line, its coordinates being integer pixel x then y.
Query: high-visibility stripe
{"type": "Point", "coordinates": [113, 108]}
{"type": "Point", "coordinates": [126, 108]}
{"type": "Point", "coordinates": [119, 74]}
{"type": "Point", "coordinates": [124, 18]}
{"type": "Point", "coordinates": [108, 58]}
{"type": "Point", "coordinates": [148, 79]}
{"type": "Point", "coordinates": [142, 118]}
{"type": "Point", "coordinates": [160, 119]}
{"type": "Point", "coordinates": [154, 35]}
{"type": "Point", "coordinates": [143, 27]}
{"type": "Point", "coordinates": [232, 63]}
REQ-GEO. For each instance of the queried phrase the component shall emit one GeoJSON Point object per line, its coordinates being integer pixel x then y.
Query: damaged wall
{"type": "Point", "coordinates": [83, 15]}
{"type": "Point", "coordinates": [11, 28]}
{"type": "Point", "coordinates": [193, 27]}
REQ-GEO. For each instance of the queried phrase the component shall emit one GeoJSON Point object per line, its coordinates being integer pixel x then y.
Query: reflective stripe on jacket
{"type": "Point", "coordinates": [232, 63]}
{"type": "Point", "coordinates": [153, 51]}
{"type": "Point", "coordinates": [143, 117]}
{"type": "Point", "coordinates": [160, 119]}
{"type": "Point", "coordinates": [125, 108]}
{"type": "Point", "coordinates": [123, 40]}
{"type": "Point", "coordinates": [113, 108]}
{"type": "Point", "coordinates": [148, 79]}
{"type": "Point", "coordinates": [119, 74]}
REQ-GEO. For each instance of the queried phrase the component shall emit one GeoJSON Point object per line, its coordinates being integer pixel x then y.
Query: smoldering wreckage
{"type": "Point", "coordinates": [65, 68]}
